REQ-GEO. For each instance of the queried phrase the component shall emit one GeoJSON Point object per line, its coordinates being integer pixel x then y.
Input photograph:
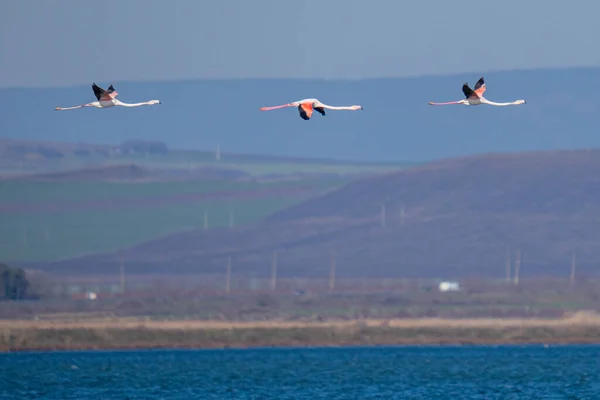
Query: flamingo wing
{"type": "Point", "coordinates": [320, 110]}
{"type": "Point", "coordinates": [468, 92]}
{"type": "Point", "coordinates": [101, 94]}
{"type": "Point", "coordinates": [480, 87]}
{"type": "Point", "coordinates": [112, 92]}
{"type": "Point", "coordinates": [306, 111]}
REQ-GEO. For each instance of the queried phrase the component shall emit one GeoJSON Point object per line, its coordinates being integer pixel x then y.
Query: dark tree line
{"type": "Point", "coordinates": [13, 283]}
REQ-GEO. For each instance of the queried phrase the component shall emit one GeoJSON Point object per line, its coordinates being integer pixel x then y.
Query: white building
{"type": "Point", "coordinates": [91, 296]}
{"type": "Point", "coordinates": [448, 286]}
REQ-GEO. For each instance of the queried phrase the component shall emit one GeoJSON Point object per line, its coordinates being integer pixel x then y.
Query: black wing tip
{"type": "Point", "coordinates": [320, 110]}
{"type": "Point", "coordinates": [98, 91]}
{"type": "Point", "coordinates": [303, 114]}
{"type": "Point", "coordinates": [467, 91]}
{"type": "Point", "coordinates": [480, 83]}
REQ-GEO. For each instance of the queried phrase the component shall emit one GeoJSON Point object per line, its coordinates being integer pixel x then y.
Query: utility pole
{"type": "Point", "coordinates": [122, 274]}
{"type": "Point", "coordinates": [274, 271]}
{"type": "Point", "coordinates": [383, 215]}
{"type": "Point", "coordinates": [332, 263]}
{"type": "Point", "coordinates": [218, 152]}
{"type": "Point", "coordinates": [402, 216]}
{"type": "Point", "coordinates": [205, 220]}
{"type": "Point", "coordinates": [517, 267]}
{"type": "Point", "coordinates": [573, 267]}
{"type": "Point", "coordinates": [46, 234]}
{"type": "Point", "coordinates": [231, 218]}
{"type": "Point", "coordinates": [508, 263]}
{"type": "Point", "coordinates": [228, 275]}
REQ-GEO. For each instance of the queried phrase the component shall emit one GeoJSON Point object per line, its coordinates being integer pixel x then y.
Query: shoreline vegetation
{"type": "Point", "coordinates": [132, 333]}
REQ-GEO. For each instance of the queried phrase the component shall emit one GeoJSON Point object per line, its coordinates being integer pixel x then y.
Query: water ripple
{"type": "Point", "coordinates": [511, 372]}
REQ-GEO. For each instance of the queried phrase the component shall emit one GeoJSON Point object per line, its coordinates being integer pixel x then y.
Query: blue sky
{"type": "Point", "coordinates": [67, 42]}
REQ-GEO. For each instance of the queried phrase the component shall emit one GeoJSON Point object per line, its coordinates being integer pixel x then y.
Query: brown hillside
{"type": "Point", "coordinates": [459, 217]}
{"type": "Point", "coordinates": [556, 183]}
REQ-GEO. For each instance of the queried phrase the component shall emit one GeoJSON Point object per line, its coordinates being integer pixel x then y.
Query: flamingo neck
{"type": "Point", "coordinates": [120, 103]}
{"type": "Point", "coordinates": [493, 103]}
{"type": "Point", "coordinates": [335, 107]}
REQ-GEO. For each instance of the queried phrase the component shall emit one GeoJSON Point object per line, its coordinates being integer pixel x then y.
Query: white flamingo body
{"type": "Point", "coordinates": [107, 99]}
{"type": "Point", "coordinates": [307, 106]}
{"type": "Point", "coordinates": [474, 97]}
{"type": "Point", "coordinates": [474, 101]}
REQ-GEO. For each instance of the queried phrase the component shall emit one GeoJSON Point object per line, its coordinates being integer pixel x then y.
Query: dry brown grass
{"type": "Point", "coordinates": [580, 318]}
{"type": "Point", "coordinates": [135, 333]}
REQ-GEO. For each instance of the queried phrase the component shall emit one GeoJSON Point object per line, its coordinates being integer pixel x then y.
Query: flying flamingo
{"type": "Point", "coordinates": [107, 99]}
{"type": "Point", "coordinates": [307, 106]}
{"type": "Point", "coordinates": [475, 97]}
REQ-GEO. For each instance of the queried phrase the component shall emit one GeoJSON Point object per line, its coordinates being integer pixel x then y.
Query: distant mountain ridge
{"type": "Point", "coordinates": [452, 218]}
{"type": "Point", "coordinates": [397, 124]}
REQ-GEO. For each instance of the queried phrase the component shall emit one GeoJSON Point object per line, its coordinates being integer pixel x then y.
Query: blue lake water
{"type": "Point", "coordinates": [505, 372]}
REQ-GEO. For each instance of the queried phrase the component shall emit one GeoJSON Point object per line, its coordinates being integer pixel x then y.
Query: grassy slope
{"type": "Point", "coordinates": [45, 221]}
{"type": "Point", "coordinates": [49, 220]}
{"type": "Point", "coordinates": [453, 218]}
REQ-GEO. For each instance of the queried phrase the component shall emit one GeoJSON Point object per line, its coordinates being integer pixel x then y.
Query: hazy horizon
{"type": "Point", "coordinates": [470, 76]}
{"type": "Point", "coordinates": [68, 42]}
{"type": "Point", "coordinates": [50, 53]}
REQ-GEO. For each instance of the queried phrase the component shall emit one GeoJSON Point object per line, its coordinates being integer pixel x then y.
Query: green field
{"type": "Point", "coordinates": [53, 219]}
{"type": "Point", "coordinates": [37, 193]}
{"type": "Point", "coordinates": [49, 221]}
